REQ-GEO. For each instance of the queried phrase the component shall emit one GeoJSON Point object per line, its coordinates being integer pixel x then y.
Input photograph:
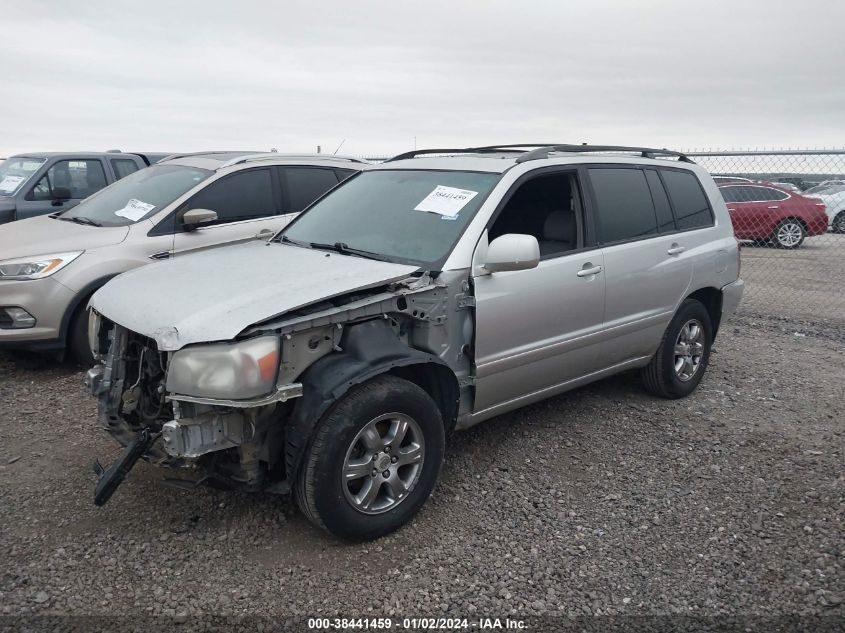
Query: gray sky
{"type": "Point", "coordinates": [186, 76]}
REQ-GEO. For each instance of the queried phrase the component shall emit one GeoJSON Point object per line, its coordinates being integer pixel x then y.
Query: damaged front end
{"type": "Point", "coordinates": [226, 413]}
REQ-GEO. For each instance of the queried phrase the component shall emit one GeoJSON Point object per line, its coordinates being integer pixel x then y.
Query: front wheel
{"type": "Point", "coordinates": [838, 224]}
{"type": "Point", "coordinates": [374, 460]}
{"type": "Point", "coordinates": [789, 234]}
{"type": "Point", "coordinates": [681, 360]}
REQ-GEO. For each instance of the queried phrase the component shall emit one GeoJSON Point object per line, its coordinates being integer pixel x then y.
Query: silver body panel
{"type": "Point", "coordinates": [509, 338]}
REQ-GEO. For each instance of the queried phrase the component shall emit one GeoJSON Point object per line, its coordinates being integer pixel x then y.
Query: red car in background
{"type": "Point", "coordinates": [763, 212]}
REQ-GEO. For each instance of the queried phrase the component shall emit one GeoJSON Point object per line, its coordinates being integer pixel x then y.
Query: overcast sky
{"type": "Point", "coordinates": [187, 76]}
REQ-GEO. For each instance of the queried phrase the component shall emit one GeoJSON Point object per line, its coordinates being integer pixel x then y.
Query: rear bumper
{"type": "Point", "coordinates": [731, 296]}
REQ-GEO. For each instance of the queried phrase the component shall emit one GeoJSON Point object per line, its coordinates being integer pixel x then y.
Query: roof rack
{"type": "Point", "coordinates": [271, 155]}
{"type": "Point", "coordinates": [486, 149]}
{"type": "Point", "coordinates": [644, 152]}
{"type": "Point", "coordinates": [542, 150]}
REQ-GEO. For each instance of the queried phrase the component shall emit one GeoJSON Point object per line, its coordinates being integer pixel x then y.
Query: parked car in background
{"type": "Point", "coordinates": [834, 200]}
{"type": "Point", "coordinates": [824, 186]}
{"type": "Point", "coordinates": [426, 294]}
{"type": "Point", "coordinates": [51, 265]}
{"type": "Point", "coordinates": [720, 179]}
{"type": "Point", "coordinates": [46, 182]}
{"type": "Point", "coordinates": [786, 185]}
{"type": "Point", "coordinates": [762, 212]}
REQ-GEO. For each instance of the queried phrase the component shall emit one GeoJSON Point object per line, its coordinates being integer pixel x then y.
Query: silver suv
{"type": "Point", "coordinates": [51, 265]}
{"type": "Point", "coordinates": [424, 295]}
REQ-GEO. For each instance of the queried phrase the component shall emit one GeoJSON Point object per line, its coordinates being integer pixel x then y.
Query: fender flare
{"type": "Point", "coordinates": [83, 295]}
{"type": "Point", "coordinates": [370, 348]}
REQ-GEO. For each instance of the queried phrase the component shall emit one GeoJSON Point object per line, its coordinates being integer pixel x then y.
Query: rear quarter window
{"type": "Point", "coordinates": [692, 209]}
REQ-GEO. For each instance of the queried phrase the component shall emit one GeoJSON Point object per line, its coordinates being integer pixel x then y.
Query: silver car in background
{"type": "Point", "coordinates": [51, 265]}
{"type": "Point", "coordinates": [426, 294]}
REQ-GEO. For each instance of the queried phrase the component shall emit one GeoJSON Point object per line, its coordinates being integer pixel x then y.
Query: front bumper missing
{"type": "Point", "coordinates": [282, 394]}
{"type": "Point", "coordinates": [110, 478]}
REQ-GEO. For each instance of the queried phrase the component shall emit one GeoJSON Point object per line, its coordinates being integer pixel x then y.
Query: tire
{"type": "Point", "coordinates": [77, 338]}
{"type": "Point", "coordinates": [838, 224]}
{"type": "Point", "coordinates": [788, 234]}
{"type": "Point", "coordinates": [343, 443]}
{"type": "Point", "coordinates": [661, 376]}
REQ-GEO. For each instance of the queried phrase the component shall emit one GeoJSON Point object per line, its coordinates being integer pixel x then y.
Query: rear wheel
{"type": "Point", "coordinates": [789, 233]}
{"type": "Point", "coordinates": [838, 224]}
{"type": "Point", "coordinates": [681, 360]}
{"type": "Point", "coordinates": [374, 461]}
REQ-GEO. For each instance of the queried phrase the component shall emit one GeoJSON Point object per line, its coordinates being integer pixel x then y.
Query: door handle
{"type": "Point", "coordinates": [676, 250]}
{"type": "Point", "coordinates": [161, 255]}
{"type": "Point", "coordinates": [775, 206]}
{"type": "Point", "coordinates": [265, 234]}
{"type": "Point", "coordinates": [586, 272]}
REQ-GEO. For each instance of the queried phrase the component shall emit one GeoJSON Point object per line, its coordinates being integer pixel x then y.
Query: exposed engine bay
{"type": "Point", "coordinates": [251, 438]}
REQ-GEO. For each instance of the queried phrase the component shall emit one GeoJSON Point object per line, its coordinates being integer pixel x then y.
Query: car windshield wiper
{"type": "Point", "coordinates": [80, 220]}
{"type": "Point", "coordinates": [284, 239]}
{"type": "Point", "coordinates": [344, 249]}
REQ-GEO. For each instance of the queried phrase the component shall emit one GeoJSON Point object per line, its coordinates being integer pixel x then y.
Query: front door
{"type": "Point", "coordinates": [538, 328]}
{"type": "Point", "coordinates": [247, 204]}
{"type": "Point", "coordinates": [65, 184]}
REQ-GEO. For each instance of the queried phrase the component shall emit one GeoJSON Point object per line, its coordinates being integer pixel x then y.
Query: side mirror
{"type": "Point", "coordinates": [195, 217]}
{"type": "Point", "coordinates": [512, 251]}
{"type": "Point", "coordinates": [60, 194]}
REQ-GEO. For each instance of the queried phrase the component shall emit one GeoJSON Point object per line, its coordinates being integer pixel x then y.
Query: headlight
{"type": "Point", "coordinates": [37, 266]}
{"type": "Point", "coordinates": [225, 371]}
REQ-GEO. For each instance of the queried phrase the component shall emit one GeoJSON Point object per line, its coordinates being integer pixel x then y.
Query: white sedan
{"type": "Point", "coordinates": [834, 202]}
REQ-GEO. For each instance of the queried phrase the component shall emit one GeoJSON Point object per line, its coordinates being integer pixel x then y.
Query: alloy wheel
{"type": "Point", "coordinates": [383, 463]}
{"type": "Point", "coordinates": [689, 350]}
{"type": "Point", "coordinates": [789, 234]}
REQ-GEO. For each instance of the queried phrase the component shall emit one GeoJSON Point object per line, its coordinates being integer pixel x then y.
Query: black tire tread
{"type": "Point", "coordinates": [304, 489]}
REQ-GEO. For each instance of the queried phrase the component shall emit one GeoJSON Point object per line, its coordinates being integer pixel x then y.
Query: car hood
{"type": "Point", "coordinates": [215, 295]}
{"type": "Point", "coordinates": [45, 235]}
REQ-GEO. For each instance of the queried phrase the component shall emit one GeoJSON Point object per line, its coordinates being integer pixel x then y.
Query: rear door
{"type": "Point", "coordinates": [646, 259]}
{"type": "Point", "coordinates": [77, 178]}
{"type": "Point", "coordinates": [755, 210]}
{"type": "Point", "coordinates": [248, 203]}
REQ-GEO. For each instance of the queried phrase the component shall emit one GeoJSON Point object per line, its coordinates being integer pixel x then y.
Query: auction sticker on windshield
{"type": "Point", "coordinates": [446, 201]}
{"type": "Point", "coordinates": [10, 183]}
{"type": "Point", "coordinates": [135, 210]}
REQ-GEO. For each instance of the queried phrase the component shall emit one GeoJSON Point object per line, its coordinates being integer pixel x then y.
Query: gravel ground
{"type": "Point", "coordinates": [602, 502]}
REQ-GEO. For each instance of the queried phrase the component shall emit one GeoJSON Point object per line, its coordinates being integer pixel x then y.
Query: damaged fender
{"type": "Point", "coordinates": [370, 348]}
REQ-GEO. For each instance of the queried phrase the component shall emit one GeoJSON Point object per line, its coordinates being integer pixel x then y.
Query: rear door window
{"type": "Point", "coordinates": [692, 210]}
{"type": "Point", "coordinates": [624, 205]}
{"type": "Point", "coordinates": [665, 219]}
{"type": "Point", "coordinates": [305, 184]}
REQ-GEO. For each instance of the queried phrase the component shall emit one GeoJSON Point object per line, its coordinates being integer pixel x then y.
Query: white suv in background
{"type": "Point", "coordinates": [51, 265]}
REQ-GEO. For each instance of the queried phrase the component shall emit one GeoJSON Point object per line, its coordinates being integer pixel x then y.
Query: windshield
{"type": "Point", "coordinates": [404, 216]}
{"type": "Point", "coordinates": [137, 196]}
{"type": "Point", "coordinates": [14, 172]}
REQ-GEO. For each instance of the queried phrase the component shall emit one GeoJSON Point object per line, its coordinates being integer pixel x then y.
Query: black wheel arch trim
{"type": "Point", "coordinates": [370, 348]}
{"type": "Point", "coordinates": [83, 295]}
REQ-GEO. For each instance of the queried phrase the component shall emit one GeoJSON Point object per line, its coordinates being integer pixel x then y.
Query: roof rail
{"type": "Point", "coordinates": [486, 149]}
{"type": "Point", "coordinates": [645, 152]}
{"type": "Point", "coordinates": [542, 150]}
{"type": "Point", "coordinates": [187, 154]}
{"type": "Point", "coordinates": [271, 155]}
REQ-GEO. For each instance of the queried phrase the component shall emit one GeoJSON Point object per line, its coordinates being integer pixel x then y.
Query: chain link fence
{"type": "Point", "coordinates": [788, 209]}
